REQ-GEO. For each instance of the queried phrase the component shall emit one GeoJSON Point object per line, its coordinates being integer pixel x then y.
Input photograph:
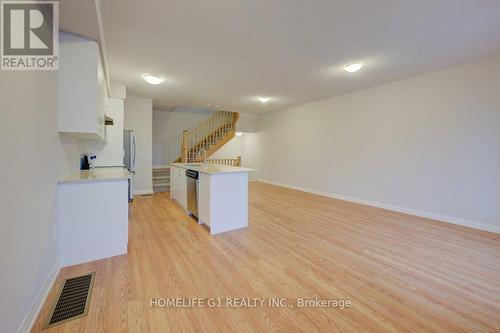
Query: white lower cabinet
{"type": "Point", "coordinates": [173, 184]}
{"type": "Point", "coordinates": [178, 189]}
{"type": "Point", "coordinates": [93, 220]}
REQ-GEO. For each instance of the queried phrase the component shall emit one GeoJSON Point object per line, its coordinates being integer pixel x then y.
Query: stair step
{"type": "Point", "coordinates": [161, 177]}
{"type": "Point", "coordinates": [167, 175]}
{"type": "Point", "coordinates": [161, 189]}
{"type": "Point", "coordinates": [162, 171]}
{"type": "Point", "coordinates": [161, 184]}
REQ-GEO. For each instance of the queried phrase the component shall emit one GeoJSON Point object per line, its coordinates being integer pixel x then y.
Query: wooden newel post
{"type": "Point", "coordinates": [239, 161]}
{"type": "Point", "coordinates": [184, 147]}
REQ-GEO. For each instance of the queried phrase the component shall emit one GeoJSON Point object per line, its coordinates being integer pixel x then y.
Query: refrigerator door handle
{"type": "Point", "coordinates": [135, 153]}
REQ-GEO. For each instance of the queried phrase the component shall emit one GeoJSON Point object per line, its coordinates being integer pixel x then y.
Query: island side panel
{"type": "Point", "coordinates": [228, 202]}
{"type": "Point", "coordinates": [204, 199]}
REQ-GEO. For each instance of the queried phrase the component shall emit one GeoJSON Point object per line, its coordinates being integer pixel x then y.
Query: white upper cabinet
{"type": "Point", "coordinates": [81, 88]}
{"type": "Point", "coordinates": [110, 153]}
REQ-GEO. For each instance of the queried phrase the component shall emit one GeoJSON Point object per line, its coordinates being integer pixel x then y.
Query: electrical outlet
{"type": "Point", "coordinates": [54, 232]}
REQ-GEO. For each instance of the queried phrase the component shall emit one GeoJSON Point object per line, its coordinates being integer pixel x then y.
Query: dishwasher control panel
{"type": "Point", "coordinates": [192, 174]}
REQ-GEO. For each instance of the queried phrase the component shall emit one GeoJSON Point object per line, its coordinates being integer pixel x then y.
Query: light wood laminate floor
{"type": "Point", "coordinates": [402, 273]}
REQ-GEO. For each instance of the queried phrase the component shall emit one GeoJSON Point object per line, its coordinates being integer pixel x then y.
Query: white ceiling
{"type": "Point", "coordinates": [228, 52]}
{"type": "Point", "coordinates": [79, 17]}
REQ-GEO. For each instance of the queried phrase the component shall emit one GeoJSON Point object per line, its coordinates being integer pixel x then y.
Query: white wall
{"type": "Point", "coordinates": [167, 131]}
{"type": "Point", "coordinates": [233, 148]}
{"type": "Point", "coordinates": [247, 122]}
{"type": "Point", "coordinates": [245, 146]}
{"type": "Point", "coordinates": [139, 118]}
{"type": "Point", "coordinates": [251, 154]}
{"type": "Point", "coordinates": [428, 144]}
{"type": "Point", "coordinates": [35, 157]}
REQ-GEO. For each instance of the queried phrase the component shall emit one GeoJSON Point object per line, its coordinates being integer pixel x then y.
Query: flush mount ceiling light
{"type": "Point", "coordinates": [153, 79]}
{"type": "Point", "coordinates": [353, 67]}
{"type": "Point", "coordinates": [264, 99]}
{"type": "Point", "coordinates": [239, 133]}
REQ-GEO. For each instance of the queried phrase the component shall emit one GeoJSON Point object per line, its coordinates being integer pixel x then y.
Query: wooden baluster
{"type": "Point", "coordinates": [196, 143]}
{"type": "Point", "coordinates": [184, 147]}
{"type": "Point", "coordinates": [216, 127]}
{"type": "Point", "coordinates": [225, 122]}
{"type": "Point", "coordinates": [191, 147]}
{"type": "Point", "coordinates": [212, 131]}
{"type": "Point", "coordinates": [209, 137]}
{"type": "Point", "coordinates": [209, 132]}
{"type": "Point", "coordinates": [202, 137]}
{"type": "Point", "coordinates": [216, 132]}
{"type": "Point", "coordinates": [222, 124]}
{"type": "Point", "coordinates": [221, 120]}
{"type": "Point", "coordinates": [205, 136]}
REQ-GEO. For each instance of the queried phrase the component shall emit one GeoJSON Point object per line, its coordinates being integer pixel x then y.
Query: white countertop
{"type": "Point", "coordinates": [212, 169]}
{"type": "Point", "coordinates": [98, 174]}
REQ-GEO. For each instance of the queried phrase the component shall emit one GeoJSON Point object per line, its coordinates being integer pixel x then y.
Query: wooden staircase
{"type": "Point", "coordinates": [210, 135]}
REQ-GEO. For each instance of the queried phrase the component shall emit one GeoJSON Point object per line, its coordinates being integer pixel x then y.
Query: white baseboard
{"type": "Point", "coordinates": [410, 211]}
{"type": "Point", "coordinates": [143, 192]}
{"type": "Point", "coordinates": [36, 306]}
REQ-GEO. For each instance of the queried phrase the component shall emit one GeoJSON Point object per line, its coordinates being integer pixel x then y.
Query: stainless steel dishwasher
{"type": "Point", "coordinates": [192, 191]}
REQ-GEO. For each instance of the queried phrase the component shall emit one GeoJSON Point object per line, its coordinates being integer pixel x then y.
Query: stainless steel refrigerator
{"type": "Point", "coordinates": [129, 158]}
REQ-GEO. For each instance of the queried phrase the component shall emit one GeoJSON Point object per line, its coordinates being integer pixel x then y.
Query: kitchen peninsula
{"type": "Point", "coordinates": [221, 194]}
{"type": "Point", "coordinates": [93, 215]}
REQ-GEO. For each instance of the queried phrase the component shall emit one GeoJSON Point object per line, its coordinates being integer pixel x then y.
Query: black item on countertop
{"type": "Point", "coordinates": [84, 163]}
